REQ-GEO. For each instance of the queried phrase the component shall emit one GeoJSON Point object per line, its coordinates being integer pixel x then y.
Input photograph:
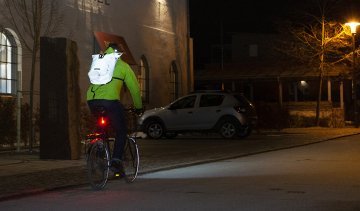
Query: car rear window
{"type": "Point", "coordinates": [242, 100]}
{"type": "Point", "coordinates": [211, 100]}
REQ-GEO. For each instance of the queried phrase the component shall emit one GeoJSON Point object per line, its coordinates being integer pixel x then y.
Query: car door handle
{"type": "Point", "coordinates": [190, 112]}
{"type": "Point", "coordinates": [217, 111]}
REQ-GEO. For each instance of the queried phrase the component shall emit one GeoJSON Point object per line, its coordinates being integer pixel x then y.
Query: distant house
{"type": "Point", "coordinates": [263, 75]}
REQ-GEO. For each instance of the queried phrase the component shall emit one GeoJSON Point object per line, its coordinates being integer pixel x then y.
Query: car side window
{"type": "Point", "coordinates": [211, 100]}
{"type": "Point", "coordinates": [187, 102]}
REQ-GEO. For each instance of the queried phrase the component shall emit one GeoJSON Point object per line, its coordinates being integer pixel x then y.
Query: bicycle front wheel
{"type": "Point", "coordinates": [98, 164]}
{"type": "Point", "coordinates": [131, 160]}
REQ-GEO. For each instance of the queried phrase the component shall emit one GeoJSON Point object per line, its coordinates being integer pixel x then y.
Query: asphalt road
{"type": "Point", "coordinates": [323, 176]}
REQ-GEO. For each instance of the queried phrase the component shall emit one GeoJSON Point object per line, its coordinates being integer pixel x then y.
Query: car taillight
{"type": "Point", "coordinates": [240, 109]}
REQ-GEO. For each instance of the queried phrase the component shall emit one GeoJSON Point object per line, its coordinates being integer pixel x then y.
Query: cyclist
{"type": "Point", "coordinates": [108, 96]}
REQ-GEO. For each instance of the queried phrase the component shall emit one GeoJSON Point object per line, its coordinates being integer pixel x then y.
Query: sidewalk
{"type": "Point", "coordinates": [24, 174]}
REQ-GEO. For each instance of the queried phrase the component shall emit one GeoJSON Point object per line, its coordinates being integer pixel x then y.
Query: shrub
{"type": "Point", "coordinates": [8, 123]}
{"type": "Point", "coordinates": [25, 126]}
{"type": "Point", "coordinates": [303, 121]}
{"type": "Point", "coordinates": [272, 116]}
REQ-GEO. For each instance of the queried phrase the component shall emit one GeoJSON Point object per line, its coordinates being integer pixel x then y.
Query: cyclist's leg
{"type": "Point", "coordinates": [117, 118]}
{"type": "Point", "coordinates": [115, 112]}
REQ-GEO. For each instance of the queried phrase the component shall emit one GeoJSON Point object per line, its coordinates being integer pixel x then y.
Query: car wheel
{"type": "Point", "coordinates": [244, 131]}
{"type": "Point", "coordinates": [228, 128]}
{"type": "Point", "coordinates": [155, 129]}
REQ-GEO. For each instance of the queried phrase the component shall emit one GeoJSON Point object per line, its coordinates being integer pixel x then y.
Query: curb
{"type": "Point", "coordinates": [26, 193]}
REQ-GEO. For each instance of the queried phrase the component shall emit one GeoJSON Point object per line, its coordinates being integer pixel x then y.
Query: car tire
{"type": "Point", "coordinates": [154, 129]}
{"type": "Point", "coordinates": [228, 128]}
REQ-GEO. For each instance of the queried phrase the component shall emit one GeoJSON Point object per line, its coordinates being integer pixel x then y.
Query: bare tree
{"type": "Point", "coordinates": [32, 19]}
{"type": "Point", "coordinates": [319, 43]}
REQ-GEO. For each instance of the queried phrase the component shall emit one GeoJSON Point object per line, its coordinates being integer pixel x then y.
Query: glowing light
{"type": "Point", "coordinates": [102, 121]}
{"type": "Point", "coordinates": [353, 26]}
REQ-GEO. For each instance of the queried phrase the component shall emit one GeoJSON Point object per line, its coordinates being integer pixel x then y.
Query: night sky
{"type": "Point", "coordinates": [210, 20]}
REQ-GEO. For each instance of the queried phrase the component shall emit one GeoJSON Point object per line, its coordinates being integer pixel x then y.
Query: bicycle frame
{"type": "Point", "coordinates": [101, 134]}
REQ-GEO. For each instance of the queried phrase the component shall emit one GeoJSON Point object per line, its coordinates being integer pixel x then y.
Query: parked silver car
{"type": "Point", "coordinates": [229, 114]}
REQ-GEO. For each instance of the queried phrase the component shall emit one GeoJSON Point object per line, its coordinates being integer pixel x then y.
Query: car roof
{"type": "Point", "coordinates": [208, 91]}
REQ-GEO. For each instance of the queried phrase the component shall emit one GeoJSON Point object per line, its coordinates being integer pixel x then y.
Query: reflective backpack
{"type": "Point", "coordinates": [102, 68]}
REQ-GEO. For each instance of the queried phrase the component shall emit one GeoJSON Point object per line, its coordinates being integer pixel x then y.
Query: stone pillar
{"type": "Point", "coordinates": [342, 94]}
{"type": "Point", "coordinates": [59, 99]}
{"type": "Point", "coordinates": [295, 92]}
{"type": "Point", "coordinates": [329, 90]}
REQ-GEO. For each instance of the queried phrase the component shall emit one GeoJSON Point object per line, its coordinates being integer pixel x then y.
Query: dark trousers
{"type": "Point", "coordinates": [116, 115]}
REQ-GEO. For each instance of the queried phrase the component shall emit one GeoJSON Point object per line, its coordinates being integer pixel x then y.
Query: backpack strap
{"type": "Point", "coordinates": [117, 78]}
{"type": "Point", "coordinates": [92, 88]}
{"type": "Point", "coordinates": [93, 91]}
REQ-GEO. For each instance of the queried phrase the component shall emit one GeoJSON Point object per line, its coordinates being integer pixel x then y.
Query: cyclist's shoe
{"type": "Point", "coordinates": [116, 166]}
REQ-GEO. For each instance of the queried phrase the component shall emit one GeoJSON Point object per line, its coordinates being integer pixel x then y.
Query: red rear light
{"type": "Point", "coordinates": [102, 121]}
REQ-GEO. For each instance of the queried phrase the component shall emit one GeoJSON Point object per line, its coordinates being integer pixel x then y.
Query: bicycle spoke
{"type": "Point", "coordinates": [98, 156]}
{"type": "Point", "coordinates": [98, 165]}
{"type": "Point", "coordinates": [131, 160]}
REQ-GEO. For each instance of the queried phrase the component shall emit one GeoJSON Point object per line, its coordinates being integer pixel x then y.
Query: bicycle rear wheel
{"type": "Point", "coordinates": [131, 160]}
{"type": "Point", "coordinates": [98, 165]}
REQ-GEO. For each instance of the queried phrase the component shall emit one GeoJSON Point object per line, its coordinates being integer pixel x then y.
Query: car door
{"type": "Point", "coordinates": [208, 111]}
{"type": "Point", "coordinates": [180, 114]}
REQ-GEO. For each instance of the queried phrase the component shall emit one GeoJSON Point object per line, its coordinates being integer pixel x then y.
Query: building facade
{"type": "Point", "coordinates": [155, 33]}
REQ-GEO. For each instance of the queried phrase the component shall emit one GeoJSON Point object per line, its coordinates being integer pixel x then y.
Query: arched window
{"type": "Point", "coordinates": [8, 65]}
{"type": "Point", "coordinates": [144, 79]}
{"type": "Point", "coordinates": [174, 85]}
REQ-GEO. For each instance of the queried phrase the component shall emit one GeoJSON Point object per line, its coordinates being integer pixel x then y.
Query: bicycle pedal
{"type": "Point", "coordinates": [119, 175]}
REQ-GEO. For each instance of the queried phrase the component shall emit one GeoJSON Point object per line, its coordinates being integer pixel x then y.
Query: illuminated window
{"type": "Point", "coordinates": [7, 65]}
{"type": "Point", "coordinates": [144, 79]}
{"type": "Point", "coordinates": [174, 87]}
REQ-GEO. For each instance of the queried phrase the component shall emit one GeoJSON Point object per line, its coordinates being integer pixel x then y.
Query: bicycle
{"type": "Point", "coordinates": [98, 149]}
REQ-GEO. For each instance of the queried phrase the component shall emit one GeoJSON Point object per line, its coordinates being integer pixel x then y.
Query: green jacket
{"type": "Point", "coordinates": [111, 91]}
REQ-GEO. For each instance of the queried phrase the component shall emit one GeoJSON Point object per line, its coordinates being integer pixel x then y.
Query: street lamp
{"type": "Point", "coordinates": [353, 26]}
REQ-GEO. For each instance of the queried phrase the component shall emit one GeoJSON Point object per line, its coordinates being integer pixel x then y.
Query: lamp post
{"type": "Point", "coordinates": [353, 26]}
